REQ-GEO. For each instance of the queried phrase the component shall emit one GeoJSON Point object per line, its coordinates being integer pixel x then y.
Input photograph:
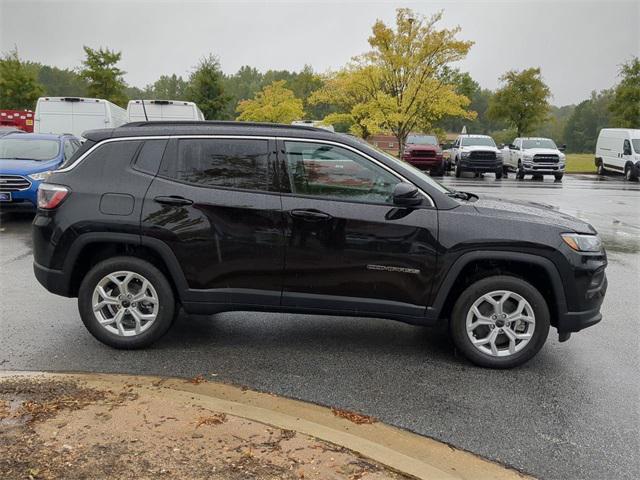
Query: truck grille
{"type": "Point", "coordinates": [13, 183]}
{"type": "Point", "coordinates": [483, 156]}
{"type": "Point", "coordinates": [545, 158]}
{"type": "Point", "coordinates": [423, 154]}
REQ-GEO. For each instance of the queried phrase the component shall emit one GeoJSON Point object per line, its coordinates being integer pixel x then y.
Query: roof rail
{"type": "Point", "coordinates": [220, 123]}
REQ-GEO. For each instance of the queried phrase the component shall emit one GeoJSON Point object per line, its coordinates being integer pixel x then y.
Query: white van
{"type": "Point", "coordinates": [157, 110]}
{"type": "Point", "coordinates": [76, 115]}
{"type": "Point", "coordinates": [618, 150]}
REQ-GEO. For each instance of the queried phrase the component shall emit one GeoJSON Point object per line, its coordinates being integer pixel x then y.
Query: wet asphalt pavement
{"type": "Point", "coordinates": [572, 412]}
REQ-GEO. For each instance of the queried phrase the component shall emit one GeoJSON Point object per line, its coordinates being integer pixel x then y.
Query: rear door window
{"type": "Point", "coordinates": [222, 163]}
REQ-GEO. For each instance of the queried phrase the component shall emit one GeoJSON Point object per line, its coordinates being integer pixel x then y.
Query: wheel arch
{"type": "Point", "coordinates": [91, 248]}
{"type": "Point", "coordinates": [473, 266]}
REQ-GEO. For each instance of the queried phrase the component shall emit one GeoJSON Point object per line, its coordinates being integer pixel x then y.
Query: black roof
{"type": "Point", "coordinates": [208, 127]}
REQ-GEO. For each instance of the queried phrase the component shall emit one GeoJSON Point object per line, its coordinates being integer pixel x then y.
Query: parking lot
{"type": "Point", "coordinates": [571, 412]}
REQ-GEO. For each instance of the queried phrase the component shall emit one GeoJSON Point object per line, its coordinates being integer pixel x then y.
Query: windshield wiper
{"type": "Point", "coordinates": [462, 195]}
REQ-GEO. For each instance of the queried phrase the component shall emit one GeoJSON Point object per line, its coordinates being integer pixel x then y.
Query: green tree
{"type": "Point", "coordinates": [206, 88]}
{"type": "Point", "coordinates": [19, 87]}
{"type": "Point", "coordinates": [242, 85]}
{"type": "Point", "coordinates": [275, 103]}
{"type": "Point", "coordinates": [60, 82]}
{"type": "Point", "coordinates": [523, 102]}
{"type": "Point", "coordinates": [626, 96]}
{"type": "Point", "coordinates": [400, 80]}
{"type": "Point", "coordinates": [586, 120]}
{"type": "Point", "coordinates": [104, 77]}
{"type": "Point", "coordinates": [168, 87]}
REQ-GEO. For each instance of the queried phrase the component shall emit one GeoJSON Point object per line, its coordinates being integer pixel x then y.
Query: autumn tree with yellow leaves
{"type": "Point", "coordinates": [275, 103]}
{"type": "Point", "coordinates": [399, 85]}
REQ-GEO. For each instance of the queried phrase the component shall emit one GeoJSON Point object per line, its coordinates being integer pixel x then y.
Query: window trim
{"type": "Point", "coordinates": [249, 137]}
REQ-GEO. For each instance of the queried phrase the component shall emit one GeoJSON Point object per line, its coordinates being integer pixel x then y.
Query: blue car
{"type": "Point", "coordinates": [26, 159]}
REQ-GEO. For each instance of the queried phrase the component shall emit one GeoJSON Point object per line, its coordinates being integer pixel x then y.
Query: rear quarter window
{"type": "Point", "coordinates": [150, 156]}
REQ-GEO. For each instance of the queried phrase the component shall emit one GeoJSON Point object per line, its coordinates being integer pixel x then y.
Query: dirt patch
{"type": "Point", "coordinates": [52, 429]}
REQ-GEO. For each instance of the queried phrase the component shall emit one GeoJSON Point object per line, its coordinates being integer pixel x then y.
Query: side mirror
{"type": "Point", "coordinates": [406, 195]}
{"type": "Point", "coordinates": [562, 148]}
{"type": "Point", "coordinates": [501, 146]}
{"type": "Point", "coordinates": [512, 146]}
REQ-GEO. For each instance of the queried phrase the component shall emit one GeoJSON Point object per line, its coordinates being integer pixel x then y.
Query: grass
{"type": "Point", "coordinates": [580, 163]}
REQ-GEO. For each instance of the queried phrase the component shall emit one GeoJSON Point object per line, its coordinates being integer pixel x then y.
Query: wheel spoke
{"type": "Point", "coordinates": [492, 341]}
{"type": "Point", "coordinates": [126, 281]}
{"type": "Point", "coordinates": [136, 317]}
{"type": "Point", "coordinates": [118, 320]}
{"type": "Point", "coordinates": [512, 339]}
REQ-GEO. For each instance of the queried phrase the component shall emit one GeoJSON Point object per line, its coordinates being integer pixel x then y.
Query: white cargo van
{"type": "Point", "coordinates": [618, 150]}
{"type": "Point", "coordinates": [157, 110]}
{"type": "Point", "coordinates": [76, 115]}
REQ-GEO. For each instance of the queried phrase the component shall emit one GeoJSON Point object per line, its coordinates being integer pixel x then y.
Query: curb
{"type": "Point", "coordinates": [399, 450]}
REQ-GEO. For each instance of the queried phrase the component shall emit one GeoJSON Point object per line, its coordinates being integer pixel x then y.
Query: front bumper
{"type": "Point", "coordinates": [23, 199]}
{"type": "Point", "coordinates": [425, 163]}
{"type": "Point", "coordinates": [470, 165]}
{"type": "Point", "coordinates": [542, 168]}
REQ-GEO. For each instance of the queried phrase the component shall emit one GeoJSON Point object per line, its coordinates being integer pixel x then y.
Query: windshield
{"type": "Point", "coordinates": [636, 145]}
{"type": "Point", "coordinates": [538, 143]}
{"type": "Point", "coordinates": [422, 140]}
{"type": "Point", "coordinates": [28, 149]}
{"type": "Point", "coordinates": [407, 166]}
{"type": "Point", "coordinates": [477, 141]}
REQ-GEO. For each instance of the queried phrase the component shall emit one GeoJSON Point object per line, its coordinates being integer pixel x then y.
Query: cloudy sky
{"type": "Point", "coordinates": [578, 44]}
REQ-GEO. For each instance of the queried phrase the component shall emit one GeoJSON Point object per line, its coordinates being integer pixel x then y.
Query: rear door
{"type": "Point", "coordinates": [348, 247]}
{"type": "Point", "coordinates": [215, 204]}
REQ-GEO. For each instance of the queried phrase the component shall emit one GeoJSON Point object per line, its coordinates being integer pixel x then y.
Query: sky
{"type": "Point", "coordinates": [579, 45]}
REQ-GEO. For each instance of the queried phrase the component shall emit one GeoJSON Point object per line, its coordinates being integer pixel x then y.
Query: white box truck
{"type": "Point", "coordinates": [618, 150]}
{"type": "Point", "coordinates": [162, 110]}
{"type": "Point", "coordinates": [76, 115]}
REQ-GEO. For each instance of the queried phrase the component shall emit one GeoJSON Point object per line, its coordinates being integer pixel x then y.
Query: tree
{"type": "Point", "coordinates": [168, 87]}
{"type": "Point", "coordinates": [523, 102]}
{"type": "Point", "coordinates": [19, 87]}
{"type": "Point", "coordinates": [626, 100]}
{"type": "Point", "coordinates": [104, 77]}
{"type": "Point", "coordinates": [400, 80]}
{"type": "Point", "coordinates": [242, 85]}
{"type": "Point", "coordinates": [59, 82]}
{"type": "Point", "coordinates": [206, 88]}
{"type": "Point", "coordinates": [275, 103]}
{"type": "Point", "coordinates": [584, 124]}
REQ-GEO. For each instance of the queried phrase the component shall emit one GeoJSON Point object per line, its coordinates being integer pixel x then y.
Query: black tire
{"type": "Point", "coordinates": [505, 171]}
{"type": "Point", "coordinates": [437, 172]}
{"type": "Point", "coordinates": [520, 172]}
{"type": "Point", "coordinates": [600, 169]}
{"type": "Point", "coordinates": [459, 170]}
{"type": "Point", "coordinates": [486, 285]}
{"type": "Point", "coordinates": [166, 302]}
{"type": "Point", "coordinates": [499, 174]}
{"type": "Point", "coordinates": [630, 173]}
{"type": "Point", "coordinates": [558, 176]}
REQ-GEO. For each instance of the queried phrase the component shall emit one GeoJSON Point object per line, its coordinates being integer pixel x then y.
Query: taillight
{"type": "Point", "coordinates": [50, 196]}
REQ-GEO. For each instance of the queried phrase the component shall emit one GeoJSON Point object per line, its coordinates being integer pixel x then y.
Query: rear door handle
{"type": "Point", "coordinates": [173, 200]}
{"type": "Point", "coordinates": [310, 215]}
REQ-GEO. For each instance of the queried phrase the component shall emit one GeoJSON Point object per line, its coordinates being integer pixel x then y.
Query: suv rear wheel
{"type": "Point", "coordinates": [500, 322]}
{"type": "Point", "coordinates": [126, 302]}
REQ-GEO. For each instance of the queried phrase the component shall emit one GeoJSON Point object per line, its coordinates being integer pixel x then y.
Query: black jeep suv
{"type": "Point", "coordinates": [218, 216]}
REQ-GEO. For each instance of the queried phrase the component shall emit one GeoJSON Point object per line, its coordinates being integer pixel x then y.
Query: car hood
{"type": "Point", "coordinates": [429, 148]}
{"type": "Point", "coordinates": [530, 211]}
{"type": "Point", "coordinates": [542, 151]}
{"type": "Point", "coordinates": [25, 167]}
{"type": "Point", "coordinates": [479, 148]}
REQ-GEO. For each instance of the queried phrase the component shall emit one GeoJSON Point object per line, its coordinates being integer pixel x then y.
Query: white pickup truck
{"type": "Point", "coordinates": [534, 156]}
{"type": "Point", "coordinates": [477, 154]}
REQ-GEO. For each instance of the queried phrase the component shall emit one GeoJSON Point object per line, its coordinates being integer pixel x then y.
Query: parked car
{"type": "Point", "coordinates": [152, 110]}
{"type": "Point", "coordinates": [74, 115]}
{"type": "Point", "coordinates": [477, 154]}
{"type": "Point", "coordinates": [27, 159]}
{"type": "Point", "coordinates": [534, 156]}
{"type": "Point", "coordinates": [424, 152]}
{"type": "Point", "coordinates": [618, 150]}
{"type": "Point", "coordinates": [222, 216]}
{"type": "Point", "coordinates": [18, 119]}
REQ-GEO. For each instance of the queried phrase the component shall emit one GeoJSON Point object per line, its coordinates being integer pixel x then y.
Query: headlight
{"type": "Point", "coordinates": [464, 154]}
{"type": "Point", "coordinates": [40, 175]}
{"type": "Point", "coordinates": [498, 155]}
{"type": "Point", "coordinates": [583, 243]}
{"type": "Point", "coordinates": [528, 156]}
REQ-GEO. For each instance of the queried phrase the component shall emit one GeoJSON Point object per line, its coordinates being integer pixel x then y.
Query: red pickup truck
{"type": "Point", "coordinates": [424, 152]}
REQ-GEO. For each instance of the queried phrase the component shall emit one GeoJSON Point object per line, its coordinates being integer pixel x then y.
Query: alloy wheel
{"type": "Point", "coordinates": [500, 323]}
{"type": "Point", "coordinates": [125, 303]}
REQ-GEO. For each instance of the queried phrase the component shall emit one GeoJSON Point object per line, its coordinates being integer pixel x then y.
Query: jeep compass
{"type": "Point", "coordinates": [219, 216]}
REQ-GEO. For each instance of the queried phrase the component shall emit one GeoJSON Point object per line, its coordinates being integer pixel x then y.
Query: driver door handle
{"type": "Point", "coordinates": [310, 215]}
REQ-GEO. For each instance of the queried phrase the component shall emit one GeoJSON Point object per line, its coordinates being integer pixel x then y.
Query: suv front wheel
{"type": "Point", "coordinates": [500, 322]}
{"type": "Point", "coordinates": [126, 302]}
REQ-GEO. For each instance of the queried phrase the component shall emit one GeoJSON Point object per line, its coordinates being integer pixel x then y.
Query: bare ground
{"type": "Point", "coordinates": [52, 429]}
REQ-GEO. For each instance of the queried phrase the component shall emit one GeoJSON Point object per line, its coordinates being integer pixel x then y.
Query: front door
{"type": "Point", "coordinates": [348, 249]}
{"type": "Point", "coordinates": [215, 204]}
